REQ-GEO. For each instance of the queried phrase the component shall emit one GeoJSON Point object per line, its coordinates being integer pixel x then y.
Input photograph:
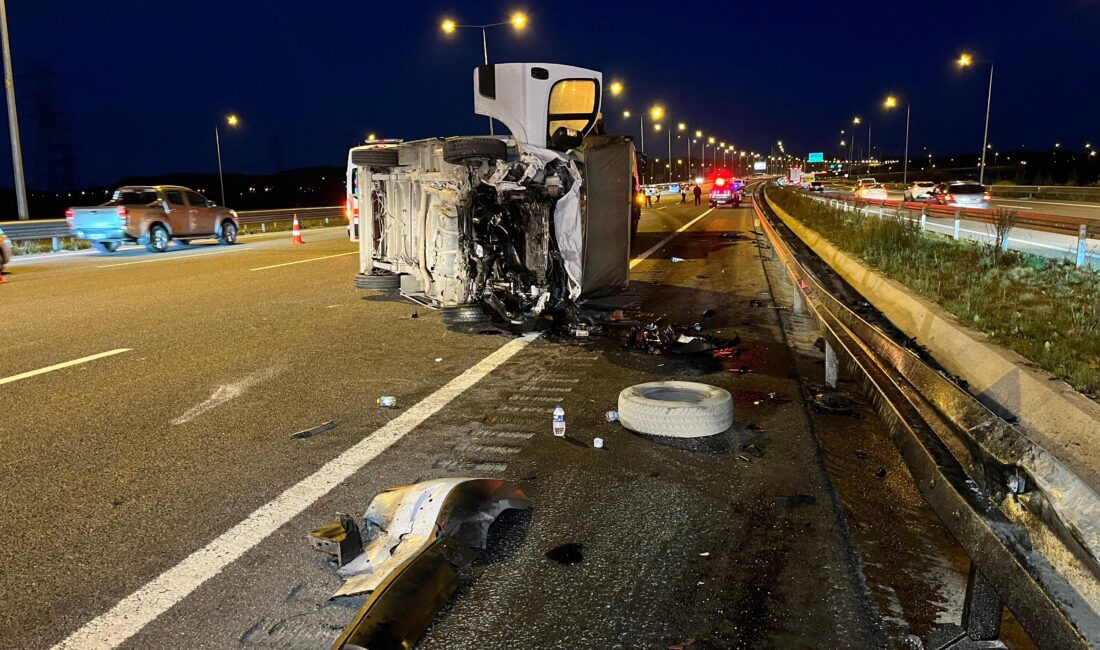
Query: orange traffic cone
{"type": "Point", "coordinates": [296, 232]}
{"type": "Point", "coordinates": [3, 280]}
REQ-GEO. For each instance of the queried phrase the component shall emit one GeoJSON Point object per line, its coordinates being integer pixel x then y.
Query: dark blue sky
{"type": "Point", "coordinates": [144, 82]}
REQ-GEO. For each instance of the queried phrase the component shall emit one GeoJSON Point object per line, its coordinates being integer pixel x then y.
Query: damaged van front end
{"type": "Point", "coordinates": [524, 226]}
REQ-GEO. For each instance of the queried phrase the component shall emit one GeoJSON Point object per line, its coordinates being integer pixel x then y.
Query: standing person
{"type": "Point", "coordinates": [698, 192]}
{"type": "Point", "coordinates": [648, 197]}
{"type": "Point", "coordinates": [657, 191]}
{"type": "Point", "coordinates": [683, 194]}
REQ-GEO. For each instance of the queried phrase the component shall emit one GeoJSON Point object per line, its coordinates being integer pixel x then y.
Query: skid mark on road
{"type": "Point", "coordinates": [59, 366]}
{"type": "Point", "coordinates": [223, 394]}
{"type": "Point", "coordinates": [133, 613]}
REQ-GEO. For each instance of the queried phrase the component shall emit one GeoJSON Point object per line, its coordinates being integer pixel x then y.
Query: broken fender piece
{"type": "Point", "coordinates": [417, 538]}
{"type": "Point", "coordinates": [340, 540]}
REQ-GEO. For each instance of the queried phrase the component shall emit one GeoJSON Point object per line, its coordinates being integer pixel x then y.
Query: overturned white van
{"type": "Point", "coordinates": [514, 227]}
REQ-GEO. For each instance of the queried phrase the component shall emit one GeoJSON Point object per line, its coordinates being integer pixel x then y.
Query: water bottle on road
{"type": "Point", "coordinates": [559, 421]}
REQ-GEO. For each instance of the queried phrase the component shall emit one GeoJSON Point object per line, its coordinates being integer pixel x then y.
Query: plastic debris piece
{"type": "Point", "coordinates": [612, 416]}
{"type": "Point", "coordinates": [707, 554]}
{"type": "Point", "coordinates": [597, 443]}
{"type": "Point", "coordinates": [309, 433]}
{"type": "Point", "coordinates": [439, 359]}
{"type": "Point", "coordinates": [677, 259]}
{"type": "Point", "coordinates": [387, 401]}
{"type": "Point", "coordinates": [617, 315]}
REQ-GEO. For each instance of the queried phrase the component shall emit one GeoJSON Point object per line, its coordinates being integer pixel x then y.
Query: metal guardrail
{"type": "Point", "coordinates": [1025, 520]}
{"type": "Point", "coordinates": [1080, 228]}
{"type": "Point", "coordinates": [1065, 192]}
{"type": "Point", "coordinates": [58, 229]}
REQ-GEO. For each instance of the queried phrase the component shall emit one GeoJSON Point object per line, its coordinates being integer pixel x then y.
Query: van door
{"type": "Point", "coordinates": [530, 98]}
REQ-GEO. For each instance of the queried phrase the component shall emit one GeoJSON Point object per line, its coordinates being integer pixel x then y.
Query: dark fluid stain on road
{"type": "Point", "coordinates": [571, 553]}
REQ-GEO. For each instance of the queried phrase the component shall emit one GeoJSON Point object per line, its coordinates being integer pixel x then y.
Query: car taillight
{"type": "Point", "coordinates": [123, 213]}
{"type": "Point", "coordinates": [347, 208]}
{"type": "Point", "coordinates": [949, 198]}
{"type": "Point", "coordinates": [986, 196]}
{"type": "Point", "coordinates": [69, 215]}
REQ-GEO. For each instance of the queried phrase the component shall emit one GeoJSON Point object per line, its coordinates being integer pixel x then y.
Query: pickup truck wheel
{"type": "Point", "coordinates": [458, 150]}
{"type": "Point", "coordinates": [158, 239]}
{"type": "Point", "coordinates": [229, 234]}
{"type": "Point", "coordinates": [106, 246]}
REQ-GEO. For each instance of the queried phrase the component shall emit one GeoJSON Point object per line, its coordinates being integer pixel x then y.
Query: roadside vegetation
{"type": "Point", "coordinates": [1046, 310]}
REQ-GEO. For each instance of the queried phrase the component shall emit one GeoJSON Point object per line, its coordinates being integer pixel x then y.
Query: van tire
{"type": "Point", "coordinates": [378, 281]}
{"type": "Point", "coordinates": [458, 150]}
{"type": "Point", "coordinates": [464, 314]}
{"type": "Point", "coordinates": [679, 409]}
{"type": "Point", "coordinates": [375, 157]}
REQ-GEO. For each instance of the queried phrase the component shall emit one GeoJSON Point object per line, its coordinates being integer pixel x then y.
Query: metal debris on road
{"type": "Point", "coordinates": [342, 540]}
{"type": "Point", "coordinates": [417, 538]}
{"type": "Point", "coordinates": [387, 401]}
{"type": "Point", "coordinates": [439, 359]}
{"type": "Point", "coordinates": [612, 416]}
{"type": "Point", "coordinates": [677, 259]}
{"type": "Point", "coordinates": [309, 433]}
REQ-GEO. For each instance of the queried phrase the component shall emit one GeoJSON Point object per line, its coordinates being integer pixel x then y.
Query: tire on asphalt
{"type": "Point", "coordinates": [375, 157]}
{"type": "Point", "coordinates": [679, 409]}
{"type": "Point", "coordinates": [229, 233]}
{"type": "Point", "coordinates": [106, 246]}
{"type": "Point", "coordinates": [378, 281]}
{"type": "Point", "coordinates": [464, 314]}
{"type": "Point", "coordinates": [459, 150]}
{"type": "Point", "coordinates": [158, 239]}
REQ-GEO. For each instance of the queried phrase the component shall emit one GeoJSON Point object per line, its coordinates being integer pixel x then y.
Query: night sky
{"type": "Point", "coordinates": [141, 84]}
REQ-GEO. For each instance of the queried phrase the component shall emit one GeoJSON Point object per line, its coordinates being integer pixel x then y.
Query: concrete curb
{"type": "Point", "coordinates": [1049, 411]}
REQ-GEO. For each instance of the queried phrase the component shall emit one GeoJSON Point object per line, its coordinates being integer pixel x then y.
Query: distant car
{"type": "Point", "coordinates": [963, 194]}
{"type": "Point", "coordinates": [817, 186]}
{"type": "Point", "coordinates": [738, 184]}
{"type": "Point", "coordinates": [153, 216]}
{"type": "Point", "coordinates": [865, 182]}
{"type": "Point", "coordinates": [5, 250]}
{"type": "Point", "coordinates": [723, 193]}
{"type": "Point", "coordinates": [919, 190]}
{"type": "Point", "coordinates": [874, 192]}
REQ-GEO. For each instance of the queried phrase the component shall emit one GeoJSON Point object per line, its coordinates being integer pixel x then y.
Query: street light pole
{"type": "Point", "coordinates": [669, 155]}
{"type": "Point", "coordinates": [985, 138]}
{"type": "Point", "coordinates": [218, 145]}
{"type": "Point", "coordinates": [13, 120]}
{"type": "Point", "coordinates": [905, 164]}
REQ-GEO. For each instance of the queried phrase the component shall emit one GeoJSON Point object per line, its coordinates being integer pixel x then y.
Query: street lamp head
{"type": "Point", "coordinates": [448, 26]}
{"type": "Point", "coordinates": [657, 126]}
{"type": "Point", "coordinates": [519, 20]}
{"type": "Point", "coordinates": [843, 143]}
{"type": "Point", "coordinates": [856, 120]}
{"type": "Point", "coordinates": [232, 120]}
{"type": "Point", "coordinates": [698, 134]}
{"type": "Point", "coordinates": [626, 113]}
{"type": "Point", "coordinates": [710, 140]}
{"type": "Point", "coordinates": [656, 113]}
{"type": "Point", "coordinates": [616, 88]}
{"type": "Point", "coordinates": [965, 60]}
{"type": "Point", "coordinates": [371, 137]}
{"type": "Point", "coordinates": [682, 126]}
{"type": "Point", "coordinates": [891, 102]}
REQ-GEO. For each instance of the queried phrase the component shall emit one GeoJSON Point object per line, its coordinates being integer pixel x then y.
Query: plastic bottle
{"type": "Point", "coordinates": [559, 421]}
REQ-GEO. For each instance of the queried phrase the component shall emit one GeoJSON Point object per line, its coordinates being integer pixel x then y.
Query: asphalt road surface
{"type": "Point", "coordinates": [154, 497]}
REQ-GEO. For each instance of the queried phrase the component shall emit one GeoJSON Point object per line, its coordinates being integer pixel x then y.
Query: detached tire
{"type": "Point", "coordinates": [378, 282]}
{"type": "Point", "coordinates": [679, 409]}
{"type": "Point", "coordinates": [458, 150]}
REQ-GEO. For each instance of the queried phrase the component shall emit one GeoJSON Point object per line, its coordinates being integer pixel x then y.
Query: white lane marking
{"type": "Point", "coordinates": [312, 259]}
{"type": "Point", "coordinates": [161, 258]}
{"type": "Point", "coordinates": [656, 247]}
{"type": "Point", "coordinates": [223, 394]}
{"type": "Point", "coordinates": [59, 366]}
{"type": "Point", "coordinates": [1009, 205]}
{"type": "Point", "coordinates": [134, 612]}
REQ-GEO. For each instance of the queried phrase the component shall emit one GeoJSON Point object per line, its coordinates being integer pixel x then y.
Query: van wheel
{"type": "Point", "coordinates": [158, 239]}
{"type": "Point", "coordinates": [378, 281]}
{"type": "Point", "coordinates": [229, 234]}
{"type": "Point", "coordinates": [106, 246]}
{"type": "Point", "coordinates": [458, 150]}
{"type": "Point", "coordinates": [464, 314]}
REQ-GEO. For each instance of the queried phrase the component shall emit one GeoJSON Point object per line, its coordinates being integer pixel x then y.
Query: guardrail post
{"type": "Point", "coordinates": [982, 608]}
{"type": "Point", "coordinates": [798, 306]}
{"type": "Point", "coordinates": [1082, 237]}
{"type": "Point", "coordinates": [923, 218]}
{"type": "Point", "coordinates": [263, 227]}
{"type": "Point", "coordinates": [56, 244]}
{"type": "Point", "coordinates": [958, 223]}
